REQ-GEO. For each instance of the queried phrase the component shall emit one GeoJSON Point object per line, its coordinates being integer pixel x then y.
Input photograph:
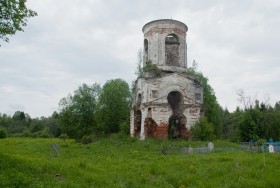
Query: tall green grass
{"type": "Point", "coordinates": [126, 162]}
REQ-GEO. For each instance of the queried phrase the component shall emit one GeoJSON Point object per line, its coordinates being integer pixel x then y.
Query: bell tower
{"type": "Point", "coordinates": [166, 100]}
{"type": "Point", "coordinates": [165, 44]}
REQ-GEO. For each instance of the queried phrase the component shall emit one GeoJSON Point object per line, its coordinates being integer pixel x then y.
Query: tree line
{"type": "Point", "coordinates": [92, 110]}
{"type": "Point", "coordinates": [89, 110]}
{"type": "Point", "coordinates": [252, 122]}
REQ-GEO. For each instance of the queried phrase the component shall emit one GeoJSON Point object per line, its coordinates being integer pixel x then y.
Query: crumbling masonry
{"type": "Point", "coordinates": [166, 100]}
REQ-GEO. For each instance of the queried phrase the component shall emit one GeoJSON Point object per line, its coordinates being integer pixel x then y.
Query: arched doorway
{"type": "Point", "coordinates": [175, 100]}
{"type": "Point", "coordinates": [177, 121]}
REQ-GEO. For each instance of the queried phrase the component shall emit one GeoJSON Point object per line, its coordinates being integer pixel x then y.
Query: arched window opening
{"type": "Point", "coordinates": [139, 98]}
{"type": "Point", "coordinates": [146, 50]}
{"type": "Point", "coordinates": [149, 112]}
{"type": "Point", "coordinates": [172, 50]}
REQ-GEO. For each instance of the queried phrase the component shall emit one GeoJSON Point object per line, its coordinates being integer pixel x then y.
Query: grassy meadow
{"type": "Point", "coordinates": [127, 162]}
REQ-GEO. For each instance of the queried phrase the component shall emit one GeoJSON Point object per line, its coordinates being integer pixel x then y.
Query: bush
{"type": "Point", "coordinates": [87, 139]}
{"type": "Point", "coordinates": [35, 135]}
{"type": "Point", "coordinates": [3, 133]}
{"type": "Point", "coordinates": [202, 130]}
{"type": "Point", "coordinates": [63, 137]}
{"type": "Point", "coordinates": [25, 133]}
{"type": "Point", "coordinates": [44, 135]}
{"type": "Point", "coordinates": [124, 128]}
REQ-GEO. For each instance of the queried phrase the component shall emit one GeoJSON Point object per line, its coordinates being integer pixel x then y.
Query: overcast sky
{"type": "Point", "coordinates": [235, 43]}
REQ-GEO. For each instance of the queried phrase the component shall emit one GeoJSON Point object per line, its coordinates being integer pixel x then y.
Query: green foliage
{"type": "Point", "coordinates": [212, 109]}
{"type": "Point", "coordinates": [19, 116]}
{"type": "Point", "coordinates": [63, 137]}
{"type": "Point", "coordinates": [36, 126]}
{"type": "Point", "coordinates": [87, 139]}
{"type": "Point", "coordinates": [26, 133]}
{"type": "Point", "coordinates": [77, 115]}
{"type": "Point", "coordinates": [261, 141]}
{"type": "Point", "coordinates": [3, 133]}
{"type": "Point", "coordinates": [45, 133]}
{"type": "Point", "coordinates": [116, 162]}
{"type": "Point", "coordinates": [113, 106]}
{"type": "Point", "coordinates": [254, 122]}
{"type": "Point", "coordinates": [52, 125]}
{"type": "Point", "coordinates": [231, 122]}
{"type": "Point", "coordinates": [248, 126]}
{"type": "Point", "coordinates": [152, 68]}
{"type": "Point", "coordinates": [5, 120]}
{"type": "Point", "coordinates": [260, 123]}
{"type": "Point", "coordinates": [14, 15]}
{"type": "Point", "coordinates": [22, 125]}
{"type": "Point", "coordinates": [125, 128]}
{"type": "Point", "coordinates": [202, 130]}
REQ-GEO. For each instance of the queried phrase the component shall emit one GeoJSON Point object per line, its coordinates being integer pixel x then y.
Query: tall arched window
{"type": "Point", "coordinates": [139, 98]}
{"type": "Point", "coordinates": [146, 50]}
{"type": "Point", "coordinates": [172, 50]}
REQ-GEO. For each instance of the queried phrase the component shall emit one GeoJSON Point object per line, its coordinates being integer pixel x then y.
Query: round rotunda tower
{"type": "Point", "coordinates": [165, 44]}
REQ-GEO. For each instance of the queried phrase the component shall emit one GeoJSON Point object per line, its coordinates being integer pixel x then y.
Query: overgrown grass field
{"type": "Point", "coordinates": [126, 162]}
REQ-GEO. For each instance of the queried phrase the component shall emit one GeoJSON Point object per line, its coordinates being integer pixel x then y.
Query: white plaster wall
{"type": "Point", "coordinates": [131, 122]}
{"type": "Point", "coordinates": [161, 110]}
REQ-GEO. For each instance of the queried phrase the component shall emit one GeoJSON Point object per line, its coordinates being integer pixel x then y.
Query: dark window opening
{"type": "Point", "coordinates": [172, 50]}
{"type": "Point", "coordinates": [150, 112]}
{"type": "Point", "coordinates": [139, 98]}
{"type": "Point", "coordinates": [137, 122]}
{"type": "Point", "coordinates": [146, 50]}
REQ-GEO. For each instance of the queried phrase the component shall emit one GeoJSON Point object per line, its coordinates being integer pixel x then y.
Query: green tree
{"type": "Point", "coordinates": [231, 123]}
{"type": "Point", "coordinates": [249, 125]}
{"type": "Point", "coordinates": [203, 130]}
{"type": "Point", "coordinates": [20, 122]}
{"type": "Point", "coordinates": [77, 114]}
{"type": "Point", "coordinates": [5, 121]}
{"type": "Point", "coordinates": [270, 124]}
{"type": "Point", "coordinates": [19, 116]}
{"type": "Point", "coordinates": [114, 106]}
{"type": "Point", "coordinates": [3, 133]}
{"type": "Point", "coordinates": [53, 124]}
{"type": "Point", "coordinates": [258, 120]}
{"type": "Point", "coordinates": [13, 17]}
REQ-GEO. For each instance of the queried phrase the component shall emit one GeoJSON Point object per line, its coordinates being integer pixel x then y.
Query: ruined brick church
{"type": "Point", "coordinates": [166, 100]}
